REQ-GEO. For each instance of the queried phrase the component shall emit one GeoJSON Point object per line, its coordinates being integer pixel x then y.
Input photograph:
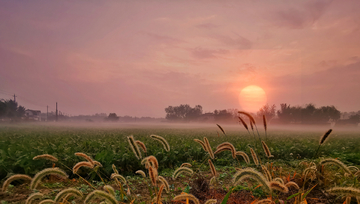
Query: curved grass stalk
{"type": "Point", "coordinates": [62, 194]}
{"type": "Point", "coordinates": [46, 156]}
{"type": "Point", "coordinates": [162, 141]}
{"type": "Point", "coordinates": [208, 148]}
{"type": "Point", "coordinates": [212, 167]}
{"type": "Point", "coordinates": [47, 201]}
{"type": "Point", "coordinates": [211, 201]}
{"type": "Point", "coordinates": [278, 179]}
{"type": "Point", "coordinates": [13, 178]}
{"type": "Point", "coordinates": [82, 164]}
{"type": "Point", "coordinates": [134, 147]}
{"type": "Point", "coordinates": [187, 196]}
{"type": "Point", "coordinates": [344, 191]}
{"type": "Point", "coordinates": [292, 184]}
{"type": "Point", "coordinates": [253, 174]}
{"type": "Point", "coordinates": [182, 170]}
{"type": "Point", "coordinates": [264, 201]}
{"type": "Point", "coordinates": [230, 146]}
{"type": "Point", "coordinates": [153, 175]}
{"type": "Point", "coordinates": [201, 143]}
{"type": "Point", "coordinates": [102, 194]}
{"type": "Point", "coordinates": [266, 173]}
{"type": "Point", "coordinates": [266, 150]}
{"type": "Point", "coordinates": [244, 156]}
{"type": "Point", "coordinates": [337, 163]}
{"type": "Point", "coordinates": [158, 197]}
{"type": "Point", "coordinates": [109, 189]}
{"type": "Point", "coordinates": [33, 197]}
{"type": "Point", "coordinates": [85, 156]}
{"type": "Point", "coordinates": [152, 161]}
{"type": "Point", "coordinates": [165, 183]}
{"type": "Point", "coordinates": [253, 154]}
{"type": "Point", "coordinates": [141, 172]}
{"type": "Point", "coordinates": [52, 171]}
{"type": "Point", "coordinates": [278, 186]}
{"type": "Point", "coordinates": [186, 165]}
{"type": "Point", "coordinates": [118, 176]}
{"type": "Point", "coordinates": [222, 129]}
{"type": "Point", "coordinates": [142, 145]}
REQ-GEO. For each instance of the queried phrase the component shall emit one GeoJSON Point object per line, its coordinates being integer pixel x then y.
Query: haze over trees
{"type": "Point", "coordinates": [308, 114]}
{"type": "Point", "coordinates": [11, 109]}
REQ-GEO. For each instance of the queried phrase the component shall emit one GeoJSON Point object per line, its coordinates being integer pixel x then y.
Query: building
{"type": "Point", "coordinates": [33, 114]}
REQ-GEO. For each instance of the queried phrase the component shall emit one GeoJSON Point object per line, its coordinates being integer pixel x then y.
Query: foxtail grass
{"type": "Point", "coordinates": [222, 129]}
{"type": "Point", "coordinates": [49, 171]}
{"type": "Point", "coordinates": [165, 183]}
{"type": "Point", "coordinates": [82, 164]}
{"type": "Point", "coordinates": [344, 191]}
{"type": "Point", "coordinates": [49, 201]}
{"type": "Point", "coordinates": [134, 147]}
{"type": "Point", "coordinates": [109, 189]}
{"type": "Point", "coordinates": [208, 148]}
{"type": "Point", "coordinates": [47, 157]}
{"type": "Point", "coordinates": [264, 201]}
{"type": "Point", "coordinates": [243, 174]}
{"type": "Point", "coordinates": [201, 143]}
{"type": "Point", "coordinates": [185, 165]}
{"type": "Point", "coordinates": [278, 179]}
{"type": "Point", "coordinates": [266, 173]}
{"type": "Point", "coordinates": [142, 145]}
{"type": "Point", "coordinates": [83, 155]}
{"type": "Point", "coordinates": [254, 156]}
{"type": "Point", "coordinates": [292, 184]}
{"type": "Point", "coordinates": [211, 201]}
{"type": "Point", "coordinates": [119, 177]}
{"type": "Point", "coordinates": [158, 197]}
{"type": "Point", "coordinates": [187, 196]}
{"type": "Point", "coordinates": [212, 167]}
{"type": "Point", "coordinates": [102, 194]}
{"type": "Point", "coordinates": [153, 175]}
{"type": "Point", "coordinates": [244, 156]}
{"type": "Point", "coordinates": [182, 170]}
{"type": "Point", "coordinates": [278, 186]}
{"type": "Point", "coordinates": [62, 194]}
{"type": "Point", "coordinates": [230, 146]}
{"type": "Point", "coordinates": [162, 141]}
{"type": "Point", "coordinates": [33, 196]}
{"type": "Point", "coordinates": [337, 163]}
{"type": "Point", "coordinates": [13, 178]}
{"type": "Point", "coordinates": [265, 126]}
{"type": "Point", "coordinates": [266, 150]}
{"type": "Point", "coordinates": [322, 141]}
{"type": "Point", "coordinates": [141, 172]}
{"type": "Point", "coordinates": [114, 168]}
{"type": "Point", "coordinates": [151, 160]}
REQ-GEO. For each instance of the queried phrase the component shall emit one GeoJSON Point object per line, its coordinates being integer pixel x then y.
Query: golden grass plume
{"type": "Point", "coordinates": [278, 186]}
{"type": "Point", "coordinates": [165, 183]}
{"type": "Point", "coordinates": [162, 141]}
{"type": "Point", "coordinates": [212, 167]}
{"type": "Point", "coordinates": [335, 162]}
{"type": "Point", "coordinates": [208, 148]}
{"type": "Point", "coordinates": [33, 197]}
{"type": "Point", "coordinates": [46, 156]}
{"type": "Point", "coordinates": [182, 170]}
{"type": "Point", "coordinates": [134, 147]}
{"type": "Point", "coordinates": [102, 194]}
{"type": "Point", "coordinates": [325, 136]}
{"type": "Point", "coordinates": [253, 154]}
{"type": "Point", "coordinates": [82, 164]}
{"type": "Point", "coordinates": [187, 196]}
{"type": "Point", "coordinates": [13, 178]}
{"type": "Point", "coordinates": [49, 171]}
{"type": "Point", "coordinates": [85, 156]}
{"type": "Point", "coordinates": [118, 176]}
{"type": "Point", "coordinates": [142, 145]}
{"type": "Point", "coordinates": [222, 129]}
{"type": "Point", "coordinates": [62, 194]}
{"type": "Point", "coordinates": [244, 156]}
{"type": "Point", "coordinates": [243, 174]}
{"type": "Point", "coordinates": [201, 143]}
{"type": "Point", "coordinates": [141, 172]}
{"type": "Point", "coordinates": [266, 150]}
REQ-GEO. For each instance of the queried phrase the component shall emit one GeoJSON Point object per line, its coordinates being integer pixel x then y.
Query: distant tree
{"type": "Point", "coordinates": [268, 111]}
{"type": "Point", "coordinates": [183, 112]}
{"type": "Point", "coordinates": [20, 112]}
{"type": "Point", "coordinates": [223, 115]}
{"type": "Point", "coordinates": [113, 117]}
{"type": "Point", "coordinates": [354, 119]}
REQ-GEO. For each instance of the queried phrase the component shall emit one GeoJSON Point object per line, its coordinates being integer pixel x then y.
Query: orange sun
{"type": "Point", "coordinates": [252, 98]}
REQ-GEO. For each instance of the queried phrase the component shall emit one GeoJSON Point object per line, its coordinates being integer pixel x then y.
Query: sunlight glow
{"type": "Point", "coordinates": [252, 98]}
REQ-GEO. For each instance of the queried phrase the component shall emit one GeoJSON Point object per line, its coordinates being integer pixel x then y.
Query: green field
{"type": "Point", "coordinates": [107, 144]}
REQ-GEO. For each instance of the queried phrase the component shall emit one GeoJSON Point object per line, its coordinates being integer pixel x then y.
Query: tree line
{"type": "Point", "coordinates": [11, 109]}
{"type": "Point", "coordinates": [308, 114]}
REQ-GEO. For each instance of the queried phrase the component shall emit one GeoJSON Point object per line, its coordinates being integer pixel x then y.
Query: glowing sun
{"type": "Point", "coordinates": [252, 98]}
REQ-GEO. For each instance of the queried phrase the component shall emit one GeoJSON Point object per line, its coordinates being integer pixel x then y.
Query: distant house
{"type": "Point", "coordinates": [33, 114]}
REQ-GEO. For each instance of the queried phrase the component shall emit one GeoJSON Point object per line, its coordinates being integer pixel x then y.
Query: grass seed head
{"type": "Point", "coordinates": [182, 170]}
{"type": "Point", "coordinates": [134, 147]}
{"type": "Point", "coordinates": [244, 123]}
{"type": "Point", "coordinates": [253, 154]}
{"type": "Point", "coordinates": [141, 172]}
{"type": "Point", "coordinates": [212, 167]}
{"type": "Point", "coordinates": [46, 156]}
{"type": "Point", "coordinates": [292, 184]}
{"type": "Point", "coordinates": [82, 164]}
{"type": "Point", "coordinates": [325, 136]}
{"type": "Point", "coordinates": [98, 193]}
{"type": "Point", "coordinates": [187, 196]}
{"type": "Point", "coordinates": [344, 191]}
{"type": "Point", "coordinates": [266, 150]}
{"type": "Point", "coordinates": [33, 197]}
{"type": "Point", "coordinates": [142, 145]}
{"type": "Point", "coordinates": [80, 154]}
{"type": "Point", "coordinates": [243, 174]}
{"type": "Point", "coordinates": [13, 178]}
{"type": "Point", "coordinates": [49, 171]}
{"type": "Point", "coordinates": [222, 130]}
{"type": "Point", "coordinates": [186, 165]}
{"type": "Point", "coordinates": [158, 197]}
{"type": "Point", "coordinates": [251, 118]}
{"type": "Point", "coordinates": [165, 183]}
{"type": "Point", "coordinates": [118, 176]}
{"type": "Point", "coordinates": [244, 156]}
{"type": "Point", "coordinates": [62, 194]}
{"type": "Point", "coordinates": [264, 121]}
{"type": "Point", "coordinates": [278, 186]}
{"type": "Point", "coordinates": [211, 201]}
{"type": "Point", "coordinates": [162, 141]}
{"type": "Point", "coordinates": [208, 148]}
{"type": "Point", "coordinates": [202, 144]}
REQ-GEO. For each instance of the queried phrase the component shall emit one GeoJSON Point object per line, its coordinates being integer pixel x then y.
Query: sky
{"type": "Point", "coordinates": [138, 57]}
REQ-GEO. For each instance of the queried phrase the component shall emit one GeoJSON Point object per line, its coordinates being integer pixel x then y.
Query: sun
{"type": "Point", "coordinates": [252, 98]}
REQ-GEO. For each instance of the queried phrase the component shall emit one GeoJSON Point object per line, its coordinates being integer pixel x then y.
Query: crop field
{"type": "Point", "coordinates": [295, 170]}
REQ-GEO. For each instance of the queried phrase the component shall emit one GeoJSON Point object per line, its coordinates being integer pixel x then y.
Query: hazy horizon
{"type": "Point", "coordinates": [138, 57]}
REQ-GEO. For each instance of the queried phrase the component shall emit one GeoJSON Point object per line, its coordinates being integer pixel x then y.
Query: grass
{"type": "Point", "coordinates": [109, 145]}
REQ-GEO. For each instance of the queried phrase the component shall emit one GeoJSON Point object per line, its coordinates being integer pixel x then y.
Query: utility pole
{"type": "Point", "coordinates": [47, 113]}
{"type": "Point", "coordinates": [14, 98]}
{"type": "Point", "coordinates": [56, 113]}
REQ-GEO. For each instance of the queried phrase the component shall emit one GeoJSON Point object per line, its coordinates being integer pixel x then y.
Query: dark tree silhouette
{"type": "Point", "coordinates": [268, 111]}
{"type": "Point", "coordinates": [183, 112]}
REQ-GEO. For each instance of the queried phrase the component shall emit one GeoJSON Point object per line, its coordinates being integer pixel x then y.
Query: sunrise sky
{"type": "Point", "coordinates": [138, 57]}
